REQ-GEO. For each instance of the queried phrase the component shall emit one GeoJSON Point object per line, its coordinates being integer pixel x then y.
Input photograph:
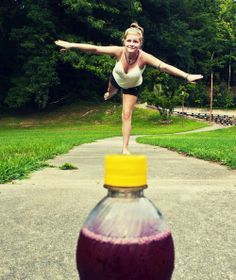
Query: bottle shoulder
{"type": "Point", "coordinates": [125, 217]}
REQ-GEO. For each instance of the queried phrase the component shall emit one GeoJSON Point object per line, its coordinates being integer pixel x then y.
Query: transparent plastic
{"type": "Point", "coordinates": [124, 237]}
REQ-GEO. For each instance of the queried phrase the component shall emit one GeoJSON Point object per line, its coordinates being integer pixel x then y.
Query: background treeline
{"type": "Point", "coordinates": [196, 36]}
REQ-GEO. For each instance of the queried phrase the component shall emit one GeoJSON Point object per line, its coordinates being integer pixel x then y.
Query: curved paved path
{"type": "Point", "coordinates": [40, 217]}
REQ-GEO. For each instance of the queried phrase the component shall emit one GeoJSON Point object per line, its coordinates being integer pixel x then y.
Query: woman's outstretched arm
{"type": "Point", "coordinates": [110, 50]}
{"type": "Point", "coordinates": [164, 67]}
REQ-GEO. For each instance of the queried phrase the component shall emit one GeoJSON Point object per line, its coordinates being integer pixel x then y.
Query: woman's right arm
{"type": "Point", "coordinates": [111, 50]}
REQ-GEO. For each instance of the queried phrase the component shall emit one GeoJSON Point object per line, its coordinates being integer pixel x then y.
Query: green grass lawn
{"type": "Point", "coordinates": [218, 145]}
{"type": "Point", "coordinates": [28, 141]}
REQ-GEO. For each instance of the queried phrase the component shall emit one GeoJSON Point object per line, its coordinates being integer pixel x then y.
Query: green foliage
{"type": "Point", "coordinates": [34, 86]}
{"type": "Point", "coordinates": [223, 96]}
{"type": "Point", "coordinates": [163, 92]}
{"type": "Point", "coordinates": [68, 166]}
{"type": "Point", "coordinates": [198, 95]}
{"type": "Point", "coordinates": [100, 66]}
{"type": "Point", "coordinates": [196, 36]}
{"type": "Point", "coordinates": [34, 72]}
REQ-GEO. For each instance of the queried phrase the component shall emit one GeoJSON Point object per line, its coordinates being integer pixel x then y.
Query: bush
{"type": "Point", "coordinates": [223, 96]}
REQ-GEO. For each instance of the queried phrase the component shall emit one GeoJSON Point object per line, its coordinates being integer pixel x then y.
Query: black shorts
{"type": "Point", "coordinates": [132, 91]}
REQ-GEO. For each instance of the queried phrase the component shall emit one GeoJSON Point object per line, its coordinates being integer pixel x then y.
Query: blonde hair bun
{"type": "Point", "coordinates": [136, 25]}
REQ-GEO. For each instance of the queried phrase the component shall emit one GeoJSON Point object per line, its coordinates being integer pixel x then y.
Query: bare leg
{"type": "Point", "coordinates": [128, 102]}
{"type": "Point", "coordinates": [111, 90]}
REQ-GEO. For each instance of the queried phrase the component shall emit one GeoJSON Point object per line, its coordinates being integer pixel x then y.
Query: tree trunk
{"type": "Point", "coordinates": [212, 88]}
{"type": "Point", "coordinates": [229, 75]}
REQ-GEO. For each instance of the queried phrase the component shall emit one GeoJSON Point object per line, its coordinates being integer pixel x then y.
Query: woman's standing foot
{"type": "Point", "coordinates": [125, 152]}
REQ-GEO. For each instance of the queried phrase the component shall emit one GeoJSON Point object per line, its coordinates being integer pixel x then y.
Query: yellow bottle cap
{"type": "Point", "coordinates": [125, 171]}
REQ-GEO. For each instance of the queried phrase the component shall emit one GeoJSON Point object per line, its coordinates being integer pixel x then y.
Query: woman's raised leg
{"type": "Point", "coordinates": [111, 90]}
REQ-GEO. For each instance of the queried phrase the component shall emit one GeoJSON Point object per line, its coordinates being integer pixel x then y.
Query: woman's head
{"type": "Point", "coordinates": [134, 29]}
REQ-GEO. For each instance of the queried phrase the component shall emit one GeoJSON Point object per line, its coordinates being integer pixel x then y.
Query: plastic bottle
{"type": "Point", "coordinates": [124, 237]}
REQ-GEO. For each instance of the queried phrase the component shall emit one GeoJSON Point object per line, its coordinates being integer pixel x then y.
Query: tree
{"type": "Point", "coordinates": [30, 38]}
{"type": "Point", "coordinates": [226, 35]}
{"type": "Point", "coordinates": [8, 11]}
{"type": "Point", "coordinates": [184, 33]}
{"type": "Point", "coordinates": [162, 91]}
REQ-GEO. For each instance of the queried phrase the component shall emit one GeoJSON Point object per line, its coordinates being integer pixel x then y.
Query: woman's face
{"type": "Point", "coordinates": [132, 42]}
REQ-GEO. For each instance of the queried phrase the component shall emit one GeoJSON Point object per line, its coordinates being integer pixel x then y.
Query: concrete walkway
{"type": "Point", "coordinates": [40, 217]}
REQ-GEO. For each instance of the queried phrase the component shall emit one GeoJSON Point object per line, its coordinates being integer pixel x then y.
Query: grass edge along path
{"type": "Point", "coordinates": [20, 157]}
{"type": "Point", "coordinates": [217, 146]}
{"type": "Point", "coordinates": [24, 150]}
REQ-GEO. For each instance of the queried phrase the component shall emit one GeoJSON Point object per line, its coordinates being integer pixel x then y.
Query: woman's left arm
{"type": "Point", "coordinates": [164, 67]}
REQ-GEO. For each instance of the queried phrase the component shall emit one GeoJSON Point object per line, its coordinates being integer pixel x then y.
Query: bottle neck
{"type": "Point", "coordinates": [125, 192]}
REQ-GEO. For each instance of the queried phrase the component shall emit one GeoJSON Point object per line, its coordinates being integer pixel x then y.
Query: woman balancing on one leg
{"type": "Point", "coordinates": [127, 73]}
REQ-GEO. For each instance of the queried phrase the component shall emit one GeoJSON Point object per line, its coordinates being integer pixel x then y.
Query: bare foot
{"type": "Point", "coordinates": [125, 152]}
{"type": "Point", "coordinates": [108, 95]}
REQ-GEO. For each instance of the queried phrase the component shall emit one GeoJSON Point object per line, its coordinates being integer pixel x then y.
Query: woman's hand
{"type": "Point", "coordinates": [64, 44]}
{"type": "Point", "coordinates": [192, 78]}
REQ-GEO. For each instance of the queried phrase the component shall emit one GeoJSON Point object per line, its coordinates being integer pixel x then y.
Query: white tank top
{"type": "Point", "coordinates": [131, 79]}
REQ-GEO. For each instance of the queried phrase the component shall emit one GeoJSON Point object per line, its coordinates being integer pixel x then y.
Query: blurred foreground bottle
{"type": "Point", "coordinates": [124, 237]}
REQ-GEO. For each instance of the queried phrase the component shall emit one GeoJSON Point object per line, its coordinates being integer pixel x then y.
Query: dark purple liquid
{"type": "Point", "coordinates": [106, 258]}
